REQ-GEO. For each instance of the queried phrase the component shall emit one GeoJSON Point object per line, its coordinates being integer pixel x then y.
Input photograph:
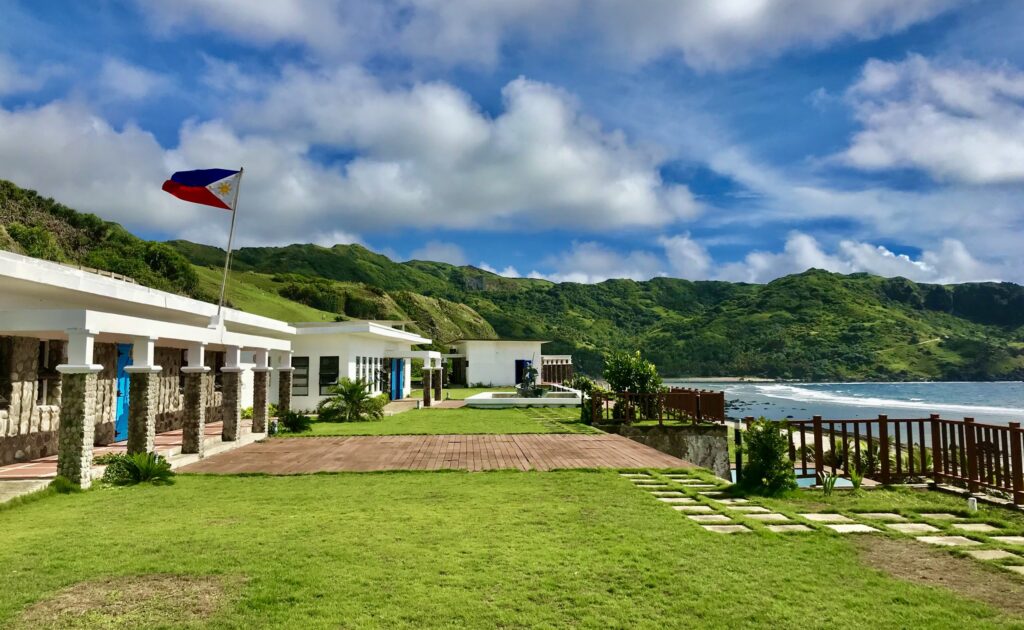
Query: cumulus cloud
{"type": "Point", "coordinates": [122, 79]}
{"type": "Point", "coordinates": [507, 272]}
{"type": "Point", "coordinates": [590, 262]}
{"type": "Point", "coordinates": [440, 251]}
{"type": "Point", "coordinates": [707, 35]}
{"type": "Point", "coordinates": [15, 79]}
{"type": "Point", "coordinates": [958, 122]}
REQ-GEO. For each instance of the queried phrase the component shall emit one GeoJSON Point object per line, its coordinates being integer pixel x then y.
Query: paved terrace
{"type": "Point", "coordinates": [436, 452]}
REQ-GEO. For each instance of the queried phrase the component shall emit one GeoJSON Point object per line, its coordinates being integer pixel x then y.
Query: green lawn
{"type": "Point", "coordinates": [464, 420]}
{"type": "Point", "coordinates": [480, 550]}
{"type": "Point", "coordinates": [461, 393]}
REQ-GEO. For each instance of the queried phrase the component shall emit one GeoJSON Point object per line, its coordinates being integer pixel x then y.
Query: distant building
{"type": "Point", "coordinates": [503, 362]}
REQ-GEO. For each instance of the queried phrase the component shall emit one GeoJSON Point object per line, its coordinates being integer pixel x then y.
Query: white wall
{"type": "Point", "coordinates": [494, 362]}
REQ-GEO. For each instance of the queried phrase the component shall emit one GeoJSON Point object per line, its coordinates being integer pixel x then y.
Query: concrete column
{"type": "Point", "coordinates": [426, 387]}
{"type": "Point", "coordinates": [77, 424]}
{"type": "Point", "coordinates": [144, 392]}
{"type": "Point", "coordinates": [438, 381]}
{"type": "Point", "coordinates": [284, 390]}
{"type": "Point", "coordinates": [231, 390]}
{"type": "Point", "coordinates": [260, 394]}
{"type": "Point", "coordinates": [193, 434]}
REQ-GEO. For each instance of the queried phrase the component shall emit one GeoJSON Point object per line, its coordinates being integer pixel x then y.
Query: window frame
{"type": "Point", "coordinates": [300, 372]}
{"type": "Point", "coordinates": [325, 385]}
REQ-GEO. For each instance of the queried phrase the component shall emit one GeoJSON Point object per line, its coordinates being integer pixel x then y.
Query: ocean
{"type": "Point", "coordinates": [996, 402]}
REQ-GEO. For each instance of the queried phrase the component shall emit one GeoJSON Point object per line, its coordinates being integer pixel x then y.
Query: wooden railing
{"type": "Point", "coordinates": [974, 455]}
{"type": "Point", "coordinates": [677, 405]}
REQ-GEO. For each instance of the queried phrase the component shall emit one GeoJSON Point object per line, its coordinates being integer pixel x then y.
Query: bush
{"type": "Point", "coordinates": [767, 470]}
{"type": "Point", "coordinates": [626, 372]}
{"type": "Point", "coordinates": [351, 401]}
{"type": "Point", "coordinates": [124, 469]}
{"type": "Point", "coordinates": [63, 485]}
{"type": "Point", "coordinates": [272, 410]}
{"type": "Point", "coordinates": [294, 422]}
{"type": "Point", "coordinates": [247, 413]}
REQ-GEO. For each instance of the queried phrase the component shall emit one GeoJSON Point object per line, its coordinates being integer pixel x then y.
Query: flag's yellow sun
{"type": "Point", "coordinates": [224, 188]}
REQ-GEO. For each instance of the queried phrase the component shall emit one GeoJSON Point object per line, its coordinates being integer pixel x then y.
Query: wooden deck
{"type": "Point", "coordinates": [436, 452]}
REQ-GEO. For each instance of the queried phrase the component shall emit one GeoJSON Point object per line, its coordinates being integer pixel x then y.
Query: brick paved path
{"type": "Point", "coordinates": [436, 452]}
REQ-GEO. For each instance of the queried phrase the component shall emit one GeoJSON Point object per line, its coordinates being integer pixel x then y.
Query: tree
{"type": "Point", "coordinates": [630, 373]}
{"type": "Point", "coordinates": [351, 401]}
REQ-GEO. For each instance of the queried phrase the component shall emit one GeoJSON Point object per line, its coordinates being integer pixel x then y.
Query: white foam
{"type": "Point", "coordinates": [801, 394]}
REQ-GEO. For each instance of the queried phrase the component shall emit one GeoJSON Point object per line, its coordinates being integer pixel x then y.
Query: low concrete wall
{"type": "Point", "coordinates": [706, 446]}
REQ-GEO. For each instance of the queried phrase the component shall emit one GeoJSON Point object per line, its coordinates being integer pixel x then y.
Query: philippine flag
{"type": "Point", "coordinates": [215, 187]}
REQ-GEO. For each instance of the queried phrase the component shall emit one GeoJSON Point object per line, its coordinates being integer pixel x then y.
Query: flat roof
{"type": "Point", "coordinates": [504, 340]}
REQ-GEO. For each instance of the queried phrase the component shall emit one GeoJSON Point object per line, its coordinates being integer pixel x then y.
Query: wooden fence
{"type": "Point", "coordinates": [974, 455]}
{"type": "Point", "coordinates": [676, 405]}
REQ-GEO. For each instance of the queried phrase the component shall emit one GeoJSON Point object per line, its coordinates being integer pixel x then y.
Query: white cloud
{"type": "Point", "coordinates": [707, 35]}
{"type": "Point", "coordinates": [14, 79]}
{"type": "Point", "coordinates": [588, 262]}
{"type": "Point", "coordinates": [441, 252]}
{"type": "Point", "coordinates": [957, 122]}
{"type": "Point", "coordinates": [507, 272]}
{"type": "Point", "coordinates": [686, 257]}
{"type": "Point", "coordinates": [122, 79]}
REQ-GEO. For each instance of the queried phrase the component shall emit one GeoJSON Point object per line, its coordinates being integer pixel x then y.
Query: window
{"type": "Point", "coordinates": [6, 386]}
{"type": "Point", "coordinates": [328, 374]}
{"type": "Point", "coordinates": [300, 377]}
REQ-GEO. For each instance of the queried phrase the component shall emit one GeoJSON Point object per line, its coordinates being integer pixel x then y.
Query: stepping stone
{"type": "Point", "coordinates": [991, 554]}
{"type": "Point", "coordinates": [710, 518]}
{"type": "Point", "coordinates": [634, 475]}
{"type": "Point", "coordinates": [666, 488]}
{"type": "Point", "coordinates": [769, 517]}
{"type": "Point", "coordinates": [700, 485]}
{"type": "Point", "coordinates": [882, 516]}
{"type": "Point", "coordinates": [676, 500]}
{"type": "Point", "coordinates": [669, 493]}
{"type": "Point", "coordinates": [975, 527]}
{"type": "Point", "coordinates": [826, 517]}
{"type": "Point", "coordinates": [912, 528]}
{"type": "Point", "coordinates": [693, 509]}
{"type": "Point", "coordinates": [941, 516]}
{"type": "Point", "coordinates": [710, 494]}
{"type": "Point", "coordinates": [731, 501]}
{"type": "Point", "coordinates": [782, 529]}
{"type": "Point", "coordinates": [748, 508]}
{"type": "Point", "coordinates": [1016, 568]}
{"type": "Point", "coordinates": [726, 529]}
{"type": "Point", "coordinates": [852, 528]}
{"type": "Point", "coordinates": [1010, 540]}
{"type": "Point", "coordinates": [948, 541]}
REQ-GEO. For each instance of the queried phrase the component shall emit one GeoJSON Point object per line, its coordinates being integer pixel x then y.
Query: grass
{"type": "Point", "coordinates": [244, 293]}
{"type": "Point", "coordinates": [500, 549]}
{"type": "Point", "coordinates": [462, 393]}
{"type": "Point", "coordinates": [461, 421]}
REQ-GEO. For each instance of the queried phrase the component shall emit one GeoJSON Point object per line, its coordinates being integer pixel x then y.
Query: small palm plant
{"type": "Point", "coordinates": [351, 401]}
{"type": "Point", "coordinates": [125, 470]}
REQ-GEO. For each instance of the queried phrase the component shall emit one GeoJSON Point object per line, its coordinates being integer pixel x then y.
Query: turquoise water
{"type": "Point", "coordinates": [997, 402]}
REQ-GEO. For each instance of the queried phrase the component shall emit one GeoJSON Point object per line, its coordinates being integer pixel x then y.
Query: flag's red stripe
{"type": "Point", "coordinates": [195, 194]}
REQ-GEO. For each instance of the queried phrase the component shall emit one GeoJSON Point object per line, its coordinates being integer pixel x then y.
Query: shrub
{"type": "Point", "coordinates": [124, 469]}
{"type": "Point", "coordinates": [767, 470]}
{"type": "Point", "coordinates": [626, 372]}
{"type": "Point", "coordinates": [272, 410]}
{"type": "Point", "coordinates": [351, 401]}
{"type": "Point", "coordinates": [828, 482]}
{"type": "Point", "coordinates": [294, 422]}
{"type": "Point", "coordinates": [247, 413]}
{"type": "Point", "coordinates": [63, 485]}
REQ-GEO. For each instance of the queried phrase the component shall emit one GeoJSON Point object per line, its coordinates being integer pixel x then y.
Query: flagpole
{"type": "Point", "coordinates": [231, 238]}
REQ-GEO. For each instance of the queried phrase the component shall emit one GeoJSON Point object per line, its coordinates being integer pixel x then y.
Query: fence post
{"type": "Point", "coordinates": [819, 451]}
{"type": "Point", "coordinates": [738, 440]}
{"type": "Point", "coordinates": [1017, 462]}
{"type": "Point", "coordinates": [972, 455]}
{"type": "Point", "coordinates": [596, 401]}
{"type": "Point", "coordinates": [883, 448]}
{"type": "Point", "coordinates": [937, 455]}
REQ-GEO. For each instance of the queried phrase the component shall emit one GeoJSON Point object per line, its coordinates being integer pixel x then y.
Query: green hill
{"type": "Point", "coordinates": [814, 325]}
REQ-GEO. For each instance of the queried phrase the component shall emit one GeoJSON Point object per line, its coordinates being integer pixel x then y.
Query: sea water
{"type": "Point", "coordinates": [996, 402]}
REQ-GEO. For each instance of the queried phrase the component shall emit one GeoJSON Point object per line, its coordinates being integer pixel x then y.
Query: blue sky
{"type": "Point", "coordinates": [575, 141]}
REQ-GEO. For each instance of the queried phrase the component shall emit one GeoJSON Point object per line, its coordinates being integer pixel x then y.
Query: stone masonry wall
{"type": "Point", "coordinates": [170, 398]}
{"type": "Point", "coordinates": [702, 445]}
{"type": "Point", "coordinates": [28, 430]}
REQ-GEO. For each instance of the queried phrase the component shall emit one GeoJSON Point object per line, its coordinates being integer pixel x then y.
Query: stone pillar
{"type": "Point", "coordinates": [231, 389]}
{"type": "Point", "coordinates": [284, 391]}
{"type": "Point", "coordinates": [144, 392]}
{"type": "Point", "coordinates": [426, 387]}
{"type": "Point", "coordinates": [193, 430]}
{"type": "Point", "coordinates": [438, 380]}
{"type": "Point", "coordinates": [260, 392]}
{"type": "Point", "coordinates": [77, 424]}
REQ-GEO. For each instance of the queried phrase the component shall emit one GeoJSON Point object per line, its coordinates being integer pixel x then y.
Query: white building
{"type": "Point", "coordinates": [502, 362]}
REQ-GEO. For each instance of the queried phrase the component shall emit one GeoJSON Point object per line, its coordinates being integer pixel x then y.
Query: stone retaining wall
{"type": "Point", "coordinates": [706, 446]}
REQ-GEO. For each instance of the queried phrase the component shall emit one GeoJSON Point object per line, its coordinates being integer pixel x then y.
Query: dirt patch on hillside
{"type": "Point", "coordinates": [129, 602]}
{"type": "Point", "coordinates": [918, 563]}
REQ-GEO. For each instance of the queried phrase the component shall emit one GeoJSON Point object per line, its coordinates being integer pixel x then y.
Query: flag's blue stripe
{"type": "Point", "coordinates": [203, 177]}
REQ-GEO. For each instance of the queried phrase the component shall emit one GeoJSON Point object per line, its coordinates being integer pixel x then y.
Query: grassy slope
{"type": "Point", "coordinates": [461, 421]}
{"type": "Point", "coordinates": [244, 293]}
{"type": "Point", "coordinates": [462, 393]}
{"type": "Point", "coordinates": [501, 549]}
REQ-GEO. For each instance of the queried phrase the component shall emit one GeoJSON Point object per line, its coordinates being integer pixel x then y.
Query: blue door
{"type": "Point", "coordinates": [124, 359]}
{"type": "Point", "coordinates": [397, 378]}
